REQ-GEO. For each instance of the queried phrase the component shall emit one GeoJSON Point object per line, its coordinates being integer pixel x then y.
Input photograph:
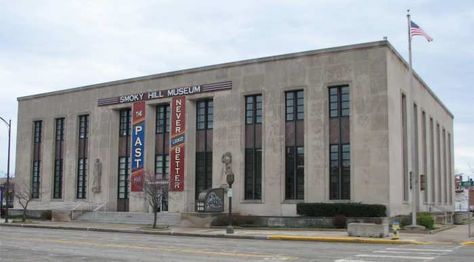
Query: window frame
{"type": "Point", "coordinates": [125, 122]}
{"type": "Point", "coordinates": [82, 159]}
{"type": "Point", "coordinates": [58, 165]}
{"type": "Point", "coordinates": [339, 110]}
{"type": "Point", "coordinates": [294, 173]}
{"type": "Point", "coordinates": [253, 155]}
{"type": "Point", "coordinates": [36, 163]}
{"type": "Point", "coordinates": [339, 100]}
{"type": "Point", "coordinates": [162, 119]}
{"type": "Point", "coordinates": [205, 109]}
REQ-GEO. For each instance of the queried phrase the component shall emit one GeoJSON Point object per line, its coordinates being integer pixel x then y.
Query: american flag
{"type": "Point", "coordinates": [416, 30]}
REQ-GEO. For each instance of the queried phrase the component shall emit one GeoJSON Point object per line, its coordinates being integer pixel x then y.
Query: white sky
{"type": "Point", "coordinates": [53, 45]}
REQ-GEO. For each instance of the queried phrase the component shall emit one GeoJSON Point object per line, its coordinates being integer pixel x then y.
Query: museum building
{"type": "Point", "coordinates": [329, 125]}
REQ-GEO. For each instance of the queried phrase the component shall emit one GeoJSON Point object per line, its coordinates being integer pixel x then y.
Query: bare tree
{"type": "Point", "coordinates": [155, 187]}
{"type": "Point", "coordinates": [23, 195]}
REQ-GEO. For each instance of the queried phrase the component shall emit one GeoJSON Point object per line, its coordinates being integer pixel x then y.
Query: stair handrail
{"type": "Point", "coordinates": [100, 206]}
{"type": "Point", "coordinates": [88, 207]}
{"type": "Point", "coordinates": [444, 210]}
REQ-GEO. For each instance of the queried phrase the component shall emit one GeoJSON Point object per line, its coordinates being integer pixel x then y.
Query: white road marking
{"type": "Point", "coordinates": [398, 253]}
{"type": "Point", "coordinates": [349, 260]}
{"type": "Point", "coordinates": [399, 257]}
{"type": "Point", "coordinates": [420, 249]}
{"type": "Point", "coordinates": [407, 252]}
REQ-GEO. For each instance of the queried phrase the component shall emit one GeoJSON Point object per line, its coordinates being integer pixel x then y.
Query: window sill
{"type": "Point", "coordinates": [339, 201]}
{"type": "Point", "coordinates": [292, 201]}
{"type": "Point", "coordinates": [251, 201]}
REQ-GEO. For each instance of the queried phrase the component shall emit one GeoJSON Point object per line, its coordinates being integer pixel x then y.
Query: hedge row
{"type": "Point", "coordinates": [345, 209]}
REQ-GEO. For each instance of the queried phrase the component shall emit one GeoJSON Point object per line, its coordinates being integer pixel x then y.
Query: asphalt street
{"type": "Point", "coordinates": [29, 244]}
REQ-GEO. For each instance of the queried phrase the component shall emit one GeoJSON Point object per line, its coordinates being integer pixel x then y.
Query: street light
{"type": "Point", "coordinates": [7, 186]}
{"type": "Point", "coordinates": [230, 181]}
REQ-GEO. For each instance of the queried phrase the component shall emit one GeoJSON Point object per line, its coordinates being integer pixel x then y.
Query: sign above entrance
{"type": "Point", "coordinates": [179, 91]}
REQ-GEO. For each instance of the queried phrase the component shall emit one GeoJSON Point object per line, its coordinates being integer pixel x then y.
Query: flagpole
{"type": "Point", "coordinates": [414, 172]}
{"type": "Point", "coordinates": [409, 47]}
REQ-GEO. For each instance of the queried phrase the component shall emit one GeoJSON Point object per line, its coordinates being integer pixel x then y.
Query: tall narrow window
{"type": "Point", "coordinates": [339, 143]}
{"type": "Point", "coordinates": [162, 159]}
{"type": "Point", "coordinates": [294, 141]}
{"type": "Point", "coordinates": [450, 174]}
{"type": "Point", "coordinates": [415, 157]}
{"type": "Point", "coordinates": [125, 127]}
{"type": "Point", "coordinates": [35, 178]}
{"type": "Point", "coordinates": [253, 147]}
{"type": "Point", "coordinates": [425, 158]}
{"type": "Point", "coordinates": [438, 180]}
{"type": "Point", "coordinates": [445, 170]}
{"type": "Point", "coordinates": [82, 162]}
{"type": "Point", "coordinates": [125, 122]}
{"type": "Point", "coordinates": [58, 158]}
{"type": "Point", "coordinates": [432, 163]}
{"type": "Point", "coordinates": [404, 148]}
{"type": "Point", "coordinates": [204, 126]}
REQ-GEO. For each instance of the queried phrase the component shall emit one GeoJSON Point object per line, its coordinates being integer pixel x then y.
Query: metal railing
{"type": "Point", "coordinates": [84, 207]}
{"type": "Point", "coordinates": [100, 206]}
{"type": "Point", "coordinates": [448, 214]}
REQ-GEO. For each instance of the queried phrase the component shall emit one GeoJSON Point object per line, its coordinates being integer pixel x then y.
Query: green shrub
{"type": "Point", "coordinates": [345, 209]}
{"type": "Point", "coordinates": [426, 220]}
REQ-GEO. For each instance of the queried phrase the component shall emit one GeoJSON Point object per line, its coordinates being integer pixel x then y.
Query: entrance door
{"type": "Point", "coordinates": [122, 205]}
{"type": "Point", "coordinates": [122, 191]}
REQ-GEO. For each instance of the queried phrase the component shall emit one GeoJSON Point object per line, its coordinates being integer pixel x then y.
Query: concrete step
{"type": "Point", "coordinates": [163, 219]}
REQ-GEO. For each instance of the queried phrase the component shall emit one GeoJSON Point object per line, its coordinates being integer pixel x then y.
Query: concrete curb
{"type": "Point", "coordinates": [467, 243]}
{"type": "Point", "coordinates": [113, 230]}
{"type": "Point", "coordinates": [347, 240]}
{"type": "Point", "coordinates": [258, 237]}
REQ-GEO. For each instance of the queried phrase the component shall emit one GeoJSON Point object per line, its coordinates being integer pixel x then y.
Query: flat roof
{"type": "Point", "coordinates": [239, 63]}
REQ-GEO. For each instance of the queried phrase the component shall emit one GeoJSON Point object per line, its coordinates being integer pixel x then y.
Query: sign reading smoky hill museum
{"type": "Point", "coordinates": [178, 128]}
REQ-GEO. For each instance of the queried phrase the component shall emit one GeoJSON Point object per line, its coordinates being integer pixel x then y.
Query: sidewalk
{"type": "Point", "coordinates": [456, 235]}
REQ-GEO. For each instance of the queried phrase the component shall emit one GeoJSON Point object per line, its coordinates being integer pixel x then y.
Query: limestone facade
{"type": "Point", "coordinates": [377, 78]}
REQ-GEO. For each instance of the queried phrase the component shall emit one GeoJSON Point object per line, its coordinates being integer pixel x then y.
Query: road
{"type": "Point", "coordinates": [30, 244]}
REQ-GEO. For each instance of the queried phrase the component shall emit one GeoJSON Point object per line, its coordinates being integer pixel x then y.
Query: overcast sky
{"type": "Point", "coordinates": [54, 45]}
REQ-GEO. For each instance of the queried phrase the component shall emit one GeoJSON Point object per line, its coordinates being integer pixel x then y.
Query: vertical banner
{"type": "Point", "coordinates": [178, 127]}
{"type": "Point", "coordinates": [138, 146]}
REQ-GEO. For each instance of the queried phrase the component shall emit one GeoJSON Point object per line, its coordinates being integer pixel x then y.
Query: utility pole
{"type": "Point", "coordinates": [7, 185]}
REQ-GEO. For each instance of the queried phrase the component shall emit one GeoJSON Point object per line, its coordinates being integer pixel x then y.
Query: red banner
{"type": "Point", "coordinates": [178, 128]}
{"type": "Point", "coordinates": [137, 180]}
{"type": "Point", "coordinates": [138, 146]}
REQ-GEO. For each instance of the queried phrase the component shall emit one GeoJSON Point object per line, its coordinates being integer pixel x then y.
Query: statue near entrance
{"type": "Point", "coordinates": [227, 161]}
{"type": "Point", "coordinates": [97, 176]}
